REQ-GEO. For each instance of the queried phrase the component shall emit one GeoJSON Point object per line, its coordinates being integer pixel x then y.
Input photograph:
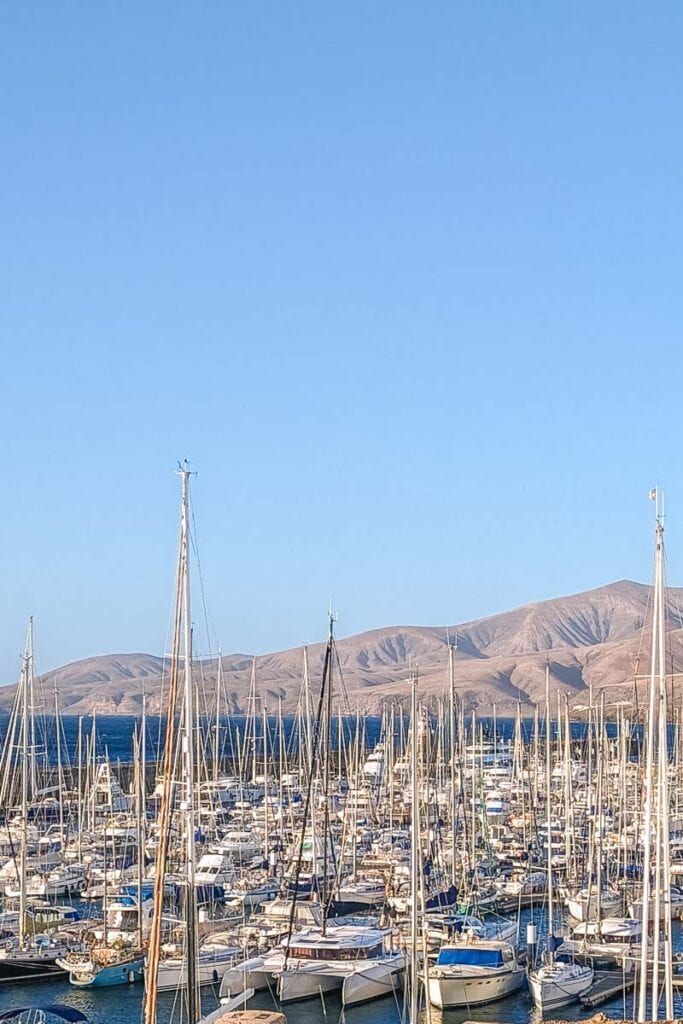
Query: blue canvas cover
{"type": "Point", "coordinates": [468, 956]}
{"type": "Point", "coordinates": [67, 1013]}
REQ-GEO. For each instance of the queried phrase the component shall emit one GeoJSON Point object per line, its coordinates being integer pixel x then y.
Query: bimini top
{"type": "Point", "coordinates": [67, 1013]}
{"type": "Point", "coordinates": [469, 956]}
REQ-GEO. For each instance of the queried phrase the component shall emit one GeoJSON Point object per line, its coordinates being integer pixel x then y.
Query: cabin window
{"type": "Point", "coordinates": [320, 953]}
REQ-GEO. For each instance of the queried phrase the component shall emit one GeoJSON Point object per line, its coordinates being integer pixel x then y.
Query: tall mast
{"type": "Point", "coordinates": [32, 713]}
{"type": "Point", "coordinates": [452, 648]}
{"type": "Point", "coordinates": [180, 675]}
{"type": "Point", "coordinates": [60, 780]}
{"type": "Point", "coordinates": [551, 943]}
{"type": "Point", "coordinates": [81, 791]}
{"type": "Point", "coordinates": [414, 861]}
{"type": "Point", "coordinates": [137, 768]}
{"type": "Point", "coordinates": [568, 806]}
{"type": "Point", "coordinates": [25, 760]}
{"type": "Point", "coordinates": [326, 888]}
{"type": "Point", "coordinates": [657, 797]}
{"type": "Point", "coordinates": [250, 724]}
{"type": "Point", "coordinates": [217, 716]}
{"type": "Point", "coordinates": [266, 787]}
{"type": "Point", "coordinates": [193, 1003]}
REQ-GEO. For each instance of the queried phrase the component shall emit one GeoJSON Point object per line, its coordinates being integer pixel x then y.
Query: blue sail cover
{"type": "Point", "coordinates": [470, 957]}
{"type": "Point", "coordinates": [65, 1012]}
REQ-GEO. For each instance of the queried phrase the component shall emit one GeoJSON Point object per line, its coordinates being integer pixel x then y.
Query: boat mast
{"type": "Point", "coordinates": [193, 1002]}
{"type": "Point", "coordinates": [182, 629]}
{"type": "Point", "coordinates": [327, 890]}
{"type": "Point", "coordinates": [217, 718]}
{"type": "Point", "coordinates": [25, 674]}
{"type": "Point", "coordinates": [551, 937]}
{"type": "Point", "coordinates": [414, 862]}
{"type": "Point", "coordinates": [60, 779]}
{"type": "Point", "coordinates": [266, 787]}
{"type": "Point", "coordinates": [81, 790]}
{"type": "Point", "coordinates": [657, 793]}
{"type": "Point", "coordinates": [139, 798]}
{"type": "Point", "coordinates": [452, 648]}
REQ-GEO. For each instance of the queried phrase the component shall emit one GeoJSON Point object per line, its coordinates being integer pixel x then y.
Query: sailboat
{"type": "Point", "coordinates": [180, 705]}
{"type": "Point", "coordinates": [28, 956]}
{"type": "Point", "coordinates": [555, 982]}
{"type": "Point", "coordinates": [360, 960]}
{"type": "Point", "coordinates": [117, 954]}
{"type": "Point", "coordinates": [656, 895]}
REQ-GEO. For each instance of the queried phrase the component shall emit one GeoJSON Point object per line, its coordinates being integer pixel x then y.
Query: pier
{"type": "Point", "coordinates": [606, 986]}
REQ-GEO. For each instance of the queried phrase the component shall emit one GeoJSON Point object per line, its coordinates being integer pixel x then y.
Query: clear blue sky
{"type": "Point", "coordinates": [403, 280]}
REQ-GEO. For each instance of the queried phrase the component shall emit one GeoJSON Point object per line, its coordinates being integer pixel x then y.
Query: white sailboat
{"type": "Point", "coordinates": [28, 956]}
{"type": "Point", "coordinates": [555, 982]}
{"type": "Point", "coordinates": [180, 701]}
{"type": "Point", "coordinates": [656, 895]}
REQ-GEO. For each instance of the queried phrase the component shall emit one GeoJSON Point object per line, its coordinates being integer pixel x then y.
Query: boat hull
{"type": "Point", "coordinates": [173, 973]}
{"type": "Point", "coordinates": [251, 973]}
{"type": "Point", "coordinates": [127, 973]}
{"type": "Point", "coordinates": [373, 981]}
{"type": "Point", "coordinates": [20, 969]}
{"type": "Point", "coordinates": [451, 992]}
{"type": "Point", "coordinates": [549, 993]}
{"type": "Point", "coordinates": [298, 984]}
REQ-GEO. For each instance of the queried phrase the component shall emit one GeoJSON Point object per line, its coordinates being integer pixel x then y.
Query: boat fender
{"type": "Point", "coordinates": [82, 885]}
{"type": "Point", "coordinates": [9, 945]}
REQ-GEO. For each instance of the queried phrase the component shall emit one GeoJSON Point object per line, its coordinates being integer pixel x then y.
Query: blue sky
{"type": "Point", "coordinates": [403, 281]}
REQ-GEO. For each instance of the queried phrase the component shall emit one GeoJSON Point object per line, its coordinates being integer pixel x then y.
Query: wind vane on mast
{"type": "Point", "coordinates": [657, 495]}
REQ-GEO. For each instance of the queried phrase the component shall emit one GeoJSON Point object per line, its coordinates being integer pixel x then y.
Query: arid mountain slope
{"type": "Point", "coordinates": [596, 639]}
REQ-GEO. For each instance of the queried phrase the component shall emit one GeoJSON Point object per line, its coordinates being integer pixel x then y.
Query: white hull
{"type": "Point", "coordinates": [560, 986]}
{"type": "Point", "coordinates": [373, 981]}
{"type": "Point", "coordinates": [307, 982]}
{"type": "Point", "coordinates": [610, 906]}
{"type": "Point", "coordinates": [256, 972]}
{"type": "Point", "coordinates": [255, 897]}
{"type": "Point", "coordinates": [172, 973]}
{"type": "Point", "coordinates": [447, 993]}
{"type": "Point", "coordinates": [636, 909]}
{"type": "Point", "coordinates": [359, 980]}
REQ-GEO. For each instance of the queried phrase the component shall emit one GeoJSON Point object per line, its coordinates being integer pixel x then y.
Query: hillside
{"type": "Point", "coordinates": [597, 639]}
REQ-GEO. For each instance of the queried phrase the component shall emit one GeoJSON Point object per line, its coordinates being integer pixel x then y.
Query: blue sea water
{"type": "Point", "coordinates": [115, 734]}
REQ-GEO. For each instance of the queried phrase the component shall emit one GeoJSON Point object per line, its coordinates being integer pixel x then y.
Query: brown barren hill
{"type": "Point", "coordinates": [597, 638]}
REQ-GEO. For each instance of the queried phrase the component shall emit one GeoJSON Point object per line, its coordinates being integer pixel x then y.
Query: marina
{"type": "Point", "coordinates": [428, 862]}
{"type": "Point", "coordinates": [341, 649]}
{"type": "Point", "coordinates": [417, 870]}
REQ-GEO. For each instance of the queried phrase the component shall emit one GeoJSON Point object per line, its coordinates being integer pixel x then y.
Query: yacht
{"type": "Point", "coordinates": [217, 954]}
{"type": "Point", "coordinates": [613, 938]}
{"type": "Point", "coordinates": [588, 904]}
{"type": "Point", "coordinates": [323, 961]}
{"type": "Point", "coordinates": [472, 972]}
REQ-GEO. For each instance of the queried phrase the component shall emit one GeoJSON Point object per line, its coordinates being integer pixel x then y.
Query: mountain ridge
{"type": "Point", "coordinates": [590, 639]}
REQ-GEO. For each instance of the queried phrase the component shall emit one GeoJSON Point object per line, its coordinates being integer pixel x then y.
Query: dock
{"type": "Point", "coordinates": [607, 985]}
